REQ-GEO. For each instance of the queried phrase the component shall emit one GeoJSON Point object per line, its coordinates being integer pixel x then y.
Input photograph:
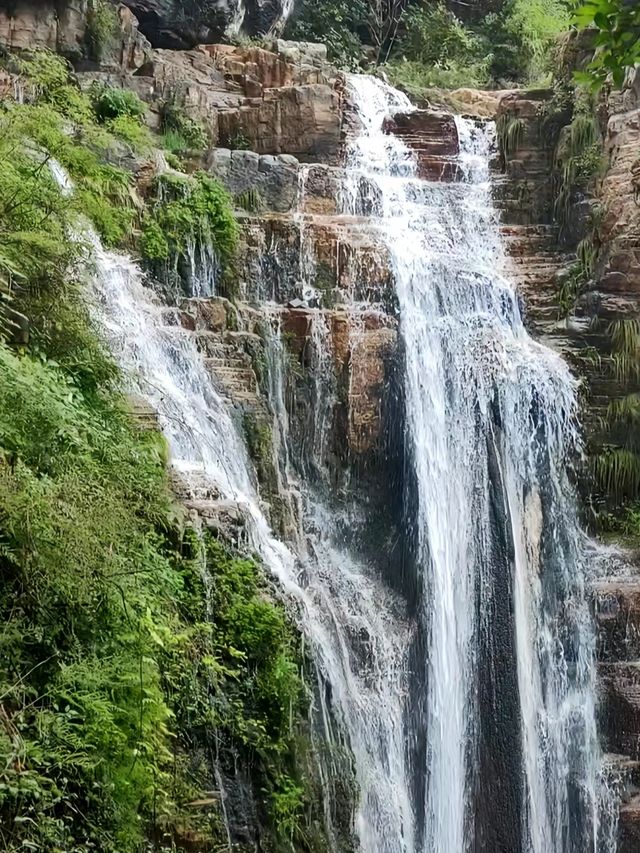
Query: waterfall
{"type": "Point", "coordinates": [502, 735]}
{"type": "Point", "coordinates": [235, 26]}
{"type": "Point", "coordinates": [469, 714]}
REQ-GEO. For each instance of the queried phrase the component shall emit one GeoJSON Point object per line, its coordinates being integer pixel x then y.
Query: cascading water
{"type": "Point", "coordinates": [355, 627]}
{"type": "Point", "coordinates": [502, 735]}
{"type": "Point", "coordinates": [235, 26]}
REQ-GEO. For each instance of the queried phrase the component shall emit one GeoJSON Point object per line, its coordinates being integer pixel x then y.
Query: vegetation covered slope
{"type": "Point", "coordinates": [138, 661]}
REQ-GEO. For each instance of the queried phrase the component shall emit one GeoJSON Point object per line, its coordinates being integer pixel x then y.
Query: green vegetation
{"type": "Point", "coordinates": [138, 660]}
{"type": "Point", "coordinates": [434, 49]}
{"type": "Point", "coordinates": [110, 668]}
{"type": "Point", "coordinates": [522, 38]}
{"type": "Point", "coordinates": [250, 200]}
{"type": "Point", "coordinates": [110, 102]}
{"type": "Point", "coordinates": [179, 131]}
{"type": "Point", "coordinates": [510, 130]}
{"type": "Point", "coordinates": [335, 23]}
{"type": "Point", "coordinates": [194, 210]}
{"type": "Point", "coordinates": [617, 40]}
{"type": "Point", "coordinates": [101, 25]}
{"type": "Point", "coordinates": [616, 464]}
{"type": "Point", "coordinates": [423, 45]}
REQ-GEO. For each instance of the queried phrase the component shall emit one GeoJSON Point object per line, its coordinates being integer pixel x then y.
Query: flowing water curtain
{"type": "Point", "coordinates": [492, 428]}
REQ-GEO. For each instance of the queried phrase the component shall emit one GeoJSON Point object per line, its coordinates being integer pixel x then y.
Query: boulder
{"type": "Point", "coordinates": [482, 103]}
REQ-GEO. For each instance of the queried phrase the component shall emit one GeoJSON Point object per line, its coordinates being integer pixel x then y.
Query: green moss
{"type": "Point", "coordinates": [250, 200]}
{"type": "Point", "coordinates": [193, 209]}
{"type": "Point", "coordinates": [131, 131]}
{"type": "Point", "coordinates": [260, 444]}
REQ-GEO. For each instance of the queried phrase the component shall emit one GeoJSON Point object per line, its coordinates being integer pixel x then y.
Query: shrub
{"type": "Point", "coordinates": [432, 35]}
{"type": "Point", "coordinates": [179, 131]}
{"type": "Point", "coordinates": [617, 42]}
{"type": "Point", "coordinates": [196, 209]}
{"type": "Point", "coordinates": [335, 23]}
{"type": "Point", "coordinates": [110, 102]}
{"type": "Point", "coordinates": [434, 49]}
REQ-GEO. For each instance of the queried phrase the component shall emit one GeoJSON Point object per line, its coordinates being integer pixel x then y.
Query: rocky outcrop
{"type": "Point", "coordinates": [66, 28]}
{"type": "Point", "coordinates": [34, 24]}
{"type": "Point", "coordinates": [362, 346]}
{"type": "Point", "coordinates": [266, 181]}
{"type": "Point", "coordinates": [182, 24]}
{"type": "Point", "coordinates": [246, 97]}
{"type": "Point", "coordinates": [618, 285]}
{"type": "Point", "coordinates": [480, 103]}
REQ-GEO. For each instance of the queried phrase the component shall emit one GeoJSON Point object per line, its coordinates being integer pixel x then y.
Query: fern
{"type": "Point", "coordinates": [617, 471]}
{"type": "Point", "coordinates": [510, 130]}
{"type": "Point", "coordinates": [625, 336]}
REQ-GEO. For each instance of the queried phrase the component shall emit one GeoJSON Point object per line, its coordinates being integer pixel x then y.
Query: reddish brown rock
{"type": "Point", "coordinates": [629, 826]}
{"type": "Point", "coordinates": [434, 138]}
{"type": "Point", "coordinates": [246, 98]}
{"type": "Point", "coordinates": [617, 603]}
{"type": "Point", "coordinates": [482, 103]}
{"type": "Point", "coordinates": [61, 27]}
{"type": "Point", "coordinates": [362, 344]}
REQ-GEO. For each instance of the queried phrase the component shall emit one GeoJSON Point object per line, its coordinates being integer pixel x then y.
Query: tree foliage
{"type": "Point", "coordinates": [509, 45]}
{"type": "Point", "coordinates": [617, 40]}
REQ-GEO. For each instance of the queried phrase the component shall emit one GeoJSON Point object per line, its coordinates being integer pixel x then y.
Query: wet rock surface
{"type": "Point", "coordinates": [182, 24]}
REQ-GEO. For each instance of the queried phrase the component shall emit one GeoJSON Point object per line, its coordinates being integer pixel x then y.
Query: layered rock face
{"type": "Point", "coordinates": [618, 286]}
{"type": "Point", "coordinates": [314, 297]}
{"type": "Point", "coordinates": [542, 259]}
{"type": "Point", "coordinates": [245, 97]}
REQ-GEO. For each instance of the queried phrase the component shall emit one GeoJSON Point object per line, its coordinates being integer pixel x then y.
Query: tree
{"type": "Point", "coordinates": [617, 40]}
{"type": "Point", "coordinates": [383, 19]}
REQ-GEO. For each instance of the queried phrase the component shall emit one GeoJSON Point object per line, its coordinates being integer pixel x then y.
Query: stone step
{"type": "Point", "coordinates": [623, 772]}
{"type": "Point", "coordinates": [226, 372]}
{"type": "Point", "coordinates": [629, 826]}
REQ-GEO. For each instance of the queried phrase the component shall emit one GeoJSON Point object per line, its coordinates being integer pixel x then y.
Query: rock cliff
{"type": "Point", "coordinates": [548, 234]}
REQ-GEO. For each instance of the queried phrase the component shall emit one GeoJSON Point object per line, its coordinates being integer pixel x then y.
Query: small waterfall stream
{"type": "Point", "coordinates": [469, 714]}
